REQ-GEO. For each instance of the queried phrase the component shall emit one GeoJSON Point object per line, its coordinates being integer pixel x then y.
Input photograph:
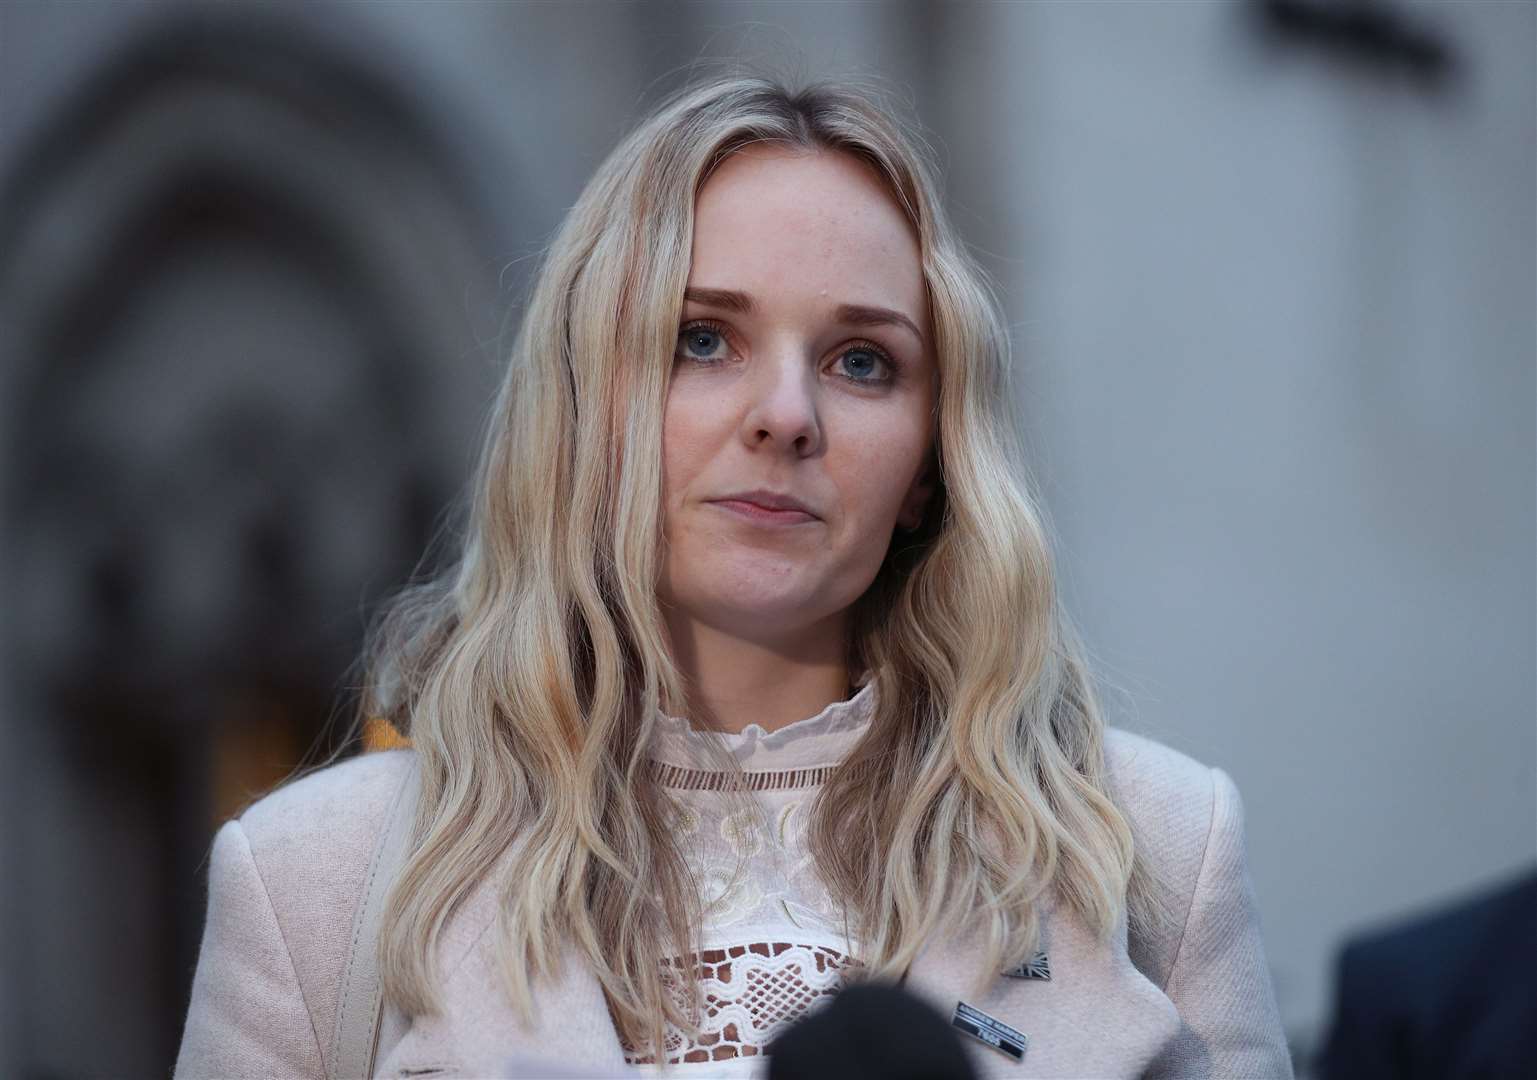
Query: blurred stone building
{"type": "Point", "coordinates": [1271, 278]}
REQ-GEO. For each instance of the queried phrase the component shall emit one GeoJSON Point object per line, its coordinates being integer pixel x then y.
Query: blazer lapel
{"type": "Point", "coordinates": [1096, 1016]}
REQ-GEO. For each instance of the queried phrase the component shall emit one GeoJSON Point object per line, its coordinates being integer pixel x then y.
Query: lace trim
{"type": "Point", "coordinates": [751, 993]}
{"type": "Point", "coordinates": [682, 778]}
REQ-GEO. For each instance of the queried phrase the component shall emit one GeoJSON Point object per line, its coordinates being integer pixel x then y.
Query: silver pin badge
{"type": "Point", "coordinates": [1037, 967]}
{"type": "Point", "coordinates": [987, 1029]}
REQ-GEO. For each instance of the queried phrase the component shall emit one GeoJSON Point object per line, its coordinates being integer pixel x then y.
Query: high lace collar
{"type": "Point", "coordinates": [823, 739]}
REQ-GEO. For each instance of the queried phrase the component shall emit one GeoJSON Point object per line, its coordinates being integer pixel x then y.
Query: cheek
{"type": "Point", "coordinates": [688, 434]}
{"type": "Point", "coordinates": [878, 474]}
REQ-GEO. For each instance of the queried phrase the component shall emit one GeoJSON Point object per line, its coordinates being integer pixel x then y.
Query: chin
{"type": "Point", "coordinates": [752, 608]}
{"type": "Point", "coordinates": [748, 595]}
{"type": "Point", "coordinates": [751, 612]}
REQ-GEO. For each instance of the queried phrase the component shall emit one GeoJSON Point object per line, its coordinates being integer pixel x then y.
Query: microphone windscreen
{"type": "Point", "coordinates": [874, 1031]}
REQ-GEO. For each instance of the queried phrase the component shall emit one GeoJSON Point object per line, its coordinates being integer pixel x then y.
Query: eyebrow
{"type": "Point", "coordinates": [852, 314]}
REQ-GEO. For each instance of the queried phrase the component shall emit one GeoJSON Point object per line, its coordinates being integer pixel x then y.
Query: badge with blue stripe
{"type": "Point", "coordinates": [994, 1033]}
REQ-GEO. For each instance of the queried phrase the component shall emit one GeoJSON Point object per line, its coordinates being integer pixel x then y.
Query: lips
{"type": "Point", "coordinates": [766, 506]}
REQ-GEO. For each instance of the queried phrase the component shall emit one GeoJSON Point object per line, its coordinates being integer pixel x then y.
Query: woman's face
{"type": "Point", "coordinates": [799, 417]}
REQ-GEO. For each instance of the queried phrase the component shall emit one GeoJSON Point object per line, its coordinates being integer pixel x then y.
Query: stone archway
{"type": "Point", "coordinates": [236, 279]}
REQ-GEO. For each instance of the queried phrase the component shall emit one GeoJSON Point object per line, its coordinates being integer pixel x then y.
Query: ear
{"type": "Point", "coordinates": [916, 501]}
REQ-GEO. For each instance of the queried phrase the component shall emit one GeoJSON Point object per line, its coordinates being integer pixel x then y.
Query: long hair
{"type": "Point", "coordinates": [529, 675]}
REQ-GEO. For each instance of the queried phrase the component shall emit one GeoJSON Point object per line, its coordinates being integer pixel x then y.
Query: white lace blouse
{"type": "Point", "coordinates": [773, 944]}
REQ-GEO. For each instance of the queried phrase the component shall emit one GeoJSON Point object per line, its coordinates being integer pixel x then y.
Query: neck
{"type": "Point", "coordinates": [733, 681]}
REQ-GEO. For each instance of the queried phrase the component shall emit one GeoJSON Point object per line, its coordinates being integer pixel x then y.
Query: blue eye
{"type": "Point", "coordinates": [863, 364]}
{"type": "Point", "coordinates": [699, 342]}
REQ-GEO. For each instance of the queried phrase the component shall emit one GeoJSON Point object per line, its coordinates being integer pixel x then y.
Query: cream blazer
{"type": "Point", "coordinates": [286, 876]}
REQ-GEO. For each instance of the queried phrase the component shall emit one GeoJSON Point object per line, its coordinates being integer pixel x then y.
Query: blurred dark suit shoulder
{"type": "Point", "coordinates": [1449, 995]}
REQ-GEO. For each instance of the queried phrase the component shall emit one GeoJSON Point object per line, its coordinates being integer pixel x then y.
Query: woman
{"type": "Point", "coordinates": [753, 465]}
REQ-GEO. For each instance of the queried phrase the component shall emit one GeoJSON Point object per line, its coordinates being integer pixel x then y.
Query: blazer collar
{"type": "Point", "coordinates": [1096, 1016]}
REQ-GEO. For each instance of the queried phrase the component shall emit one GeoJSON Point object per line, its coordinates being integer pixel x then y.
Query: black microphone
{"type": "Point", "coordinates": [878, 1031]}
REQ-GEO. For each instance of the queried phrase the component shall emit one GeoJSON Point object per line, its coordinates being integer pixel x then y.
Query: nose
{"type": "Point", "coordinates": [782, 412]}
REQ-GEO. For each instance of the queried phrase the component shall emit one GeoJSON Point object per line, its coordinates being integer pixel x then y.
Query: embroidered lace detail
{"type": "Point", "coordinates": [750, 994]}
{"type": "Point", "coordinates": [681, 778]}
{"type": "Point", "coordinates": [774, 945]}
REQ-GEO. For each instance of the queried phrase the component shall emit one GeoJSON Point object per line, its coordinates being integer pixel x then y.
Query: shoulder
{"type": "Point", "coordinates": [312, 838]}
{"type": "Point", "coordinates": [1187, 826]}
{"type": "Point", "coordinates": [1467, 940]}
{"type": "Point", "coordinates": [335, 809]}
{"type": "Point", "coordinates": [1165, 792]}
{"type": "Point", "coordinates": [1179, 809]}
{"type": "Point", "coordinates": [284, 880]}
{"type": "Point", "coordinates": [312, 841]}
{"type": "Point", "coordinates": [1197, 937]}
{"type": "Point", "coordinates": [1480, 950]}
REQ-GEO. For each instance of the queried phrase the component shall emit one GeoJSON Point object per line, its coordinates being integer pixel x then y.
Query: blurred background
{"type": "Point", "coordinates": [1271, 277]}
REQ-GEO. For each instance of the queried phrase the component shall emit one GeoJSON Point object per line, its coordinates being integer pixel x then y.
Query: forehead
{"type": "Point", "coordinates": [789, 225]}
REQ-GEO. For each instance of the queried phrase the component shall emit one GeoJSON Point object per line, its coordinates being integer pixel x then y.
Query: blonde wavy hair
{"type": "Point", "coordinates": [528, 677]}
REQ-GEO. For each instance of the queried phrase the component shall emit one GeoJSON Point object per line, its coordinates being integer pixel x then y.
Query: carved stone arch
{"type": "Point", "coordinates": [242, 283]}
